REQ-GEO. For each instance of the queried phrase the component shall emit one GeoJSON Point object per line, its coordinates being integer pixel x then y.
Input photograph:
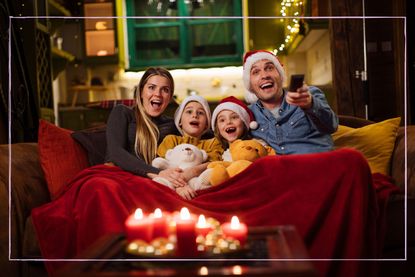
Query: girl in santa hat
{"type": "Point", "coordinates": [232, 120]}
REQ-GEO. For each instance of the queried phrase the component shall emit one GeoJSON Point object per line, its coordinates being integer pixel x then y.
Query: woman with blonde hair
{"type": "Point", "coordinates": [133, 133]}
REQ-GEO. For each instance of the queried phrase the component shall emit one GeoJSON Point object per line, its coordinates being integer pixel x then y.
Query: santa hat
{"type": "Point", "coordinates": [250, 58]}
{"type": "Point", "coordinates": [192, 98]}
{"type": "Point", "coordinates": [232, 103]}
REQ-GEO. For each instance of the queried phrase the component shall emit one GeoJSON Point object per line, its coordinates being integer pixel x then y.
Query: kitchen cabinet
{"type": "Point", "coordinates": [100, 32]}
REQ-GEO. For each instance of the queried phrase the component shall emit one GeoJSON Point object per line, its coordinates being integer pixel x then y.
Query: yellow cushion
{"type": "Point", "coordinates": [375, 141]}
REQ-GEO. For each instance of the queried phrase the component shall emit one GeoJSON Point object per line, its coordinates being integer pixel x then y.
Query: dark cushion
{"type": "Point", "coordinates": [354, 122]}
{"type": "Point", "coordinates": [94, 142]}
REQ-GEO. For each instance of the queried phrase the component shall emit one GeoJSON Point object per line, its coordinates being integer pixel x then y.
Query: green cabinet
{"type": "Point", "coordinates": [183, 33]}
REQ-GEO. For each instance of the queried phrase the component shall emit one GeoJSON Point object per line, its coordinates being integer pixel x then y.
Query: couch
{"type": "Point", "coordinates": [29, 189]}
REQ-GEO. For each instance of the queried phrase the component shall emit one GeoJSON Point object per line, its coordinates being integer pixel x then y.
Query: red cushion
{"type": "Point", "coordinates": [61, 157]}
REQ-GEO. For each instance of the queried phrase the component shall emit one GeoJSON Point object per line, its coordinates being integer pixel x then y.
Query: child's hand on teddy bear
{"type": "Point", "coordinates": [186, 192]}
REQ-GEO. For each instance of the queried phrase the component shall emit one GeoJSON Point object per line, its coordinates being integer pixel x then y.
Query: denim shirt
{"type": "Point", "coordinates": [297, 131]}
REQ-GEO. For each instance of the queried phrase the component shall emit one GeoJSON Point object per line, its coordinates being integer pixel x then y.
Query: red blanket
{"type": "Point", "coordinates": [329, 197]}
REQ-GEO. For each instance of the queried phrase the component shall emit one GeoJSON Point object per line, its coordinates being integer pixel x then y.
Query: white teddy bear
{"type": "Point", "coordinates": [183, 156]}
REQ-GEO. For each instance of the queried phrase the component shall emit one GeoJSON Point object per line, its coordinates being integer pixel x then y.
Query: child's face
{"type": "Point", "coordinates": [194, 119]}
{"type": "Point", "coordinates": [230, 125]}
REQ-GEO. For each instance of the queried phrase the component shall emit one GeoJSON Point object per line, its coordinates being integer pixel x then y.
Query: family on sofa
{"type": "Point", "coordinates": [329, 195]}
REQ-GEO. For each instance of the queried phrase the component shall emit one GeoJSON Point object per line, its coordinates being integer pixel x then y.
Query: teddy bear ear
{"type": "Point", "coordinates": [169, 153]}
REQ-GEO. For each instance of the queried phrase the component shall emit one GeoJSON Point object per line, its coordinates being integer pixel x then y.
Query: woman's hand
{"type": "Point", "coordinates": [186, 192]}
{"type": "Point", "coordinates": [174, 175]}
{"type": "Point", "coordinates": [301, 98]}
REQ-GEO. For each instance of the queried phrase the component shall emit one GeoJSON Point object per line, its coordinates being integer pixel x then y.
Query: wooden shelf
{"type": "Point", "coordinates": [62, 54]}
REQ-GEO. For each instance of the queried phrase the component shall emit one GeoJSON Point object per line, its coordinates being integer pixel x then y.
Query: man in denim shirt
{"type": "Point", "coordinates": [290, 122]}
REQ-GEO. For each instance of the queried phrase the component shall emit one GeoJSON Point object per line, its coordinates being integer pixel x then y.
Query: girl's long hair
{"type": "Point", "coordinates": [147, 133]}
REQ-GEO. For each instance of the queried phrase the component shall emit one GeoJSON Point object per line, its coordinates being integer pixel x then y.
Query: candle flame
{"type": "Point", "coordinates": [201, 222]}
{"type": "Point", "coordinates": [234, 222]}
{"type": "Point", "coordinates": [237, 270]}
{"type": "Point", "coordinates": [184, 214]}
{"type": "Point", "coordinates": [138, 214]}
{"type": "Point", "coordinates": [158, 213]}
{"type": "Point", "coordinates": [203, 270]}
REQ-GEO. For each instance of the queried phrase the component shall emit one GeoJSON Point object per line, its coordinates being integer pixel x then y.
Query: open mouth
{"type": "Point", "coordinates": [230, 130]}
{"type": "Point", "coordinates": [156, 103]}
{"type": "Point", "coordinates": [267, 85]}
{"type": "Point", "coordinates": [194, 123]}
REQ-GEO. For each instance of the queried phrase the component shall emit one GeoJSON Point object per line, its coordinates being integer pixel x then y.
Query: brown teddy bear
{"type": "Point", "coordinates": [243, 153]}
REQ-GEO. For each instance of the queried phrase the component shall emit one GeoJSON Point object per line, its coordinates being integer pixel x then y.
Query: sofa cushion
{"type": "Point", "coordinates": [61, 157]}
{"type": "Point", "coordinates": [94, 142]}
{"type": "Point", "coordinates": [375, 141]}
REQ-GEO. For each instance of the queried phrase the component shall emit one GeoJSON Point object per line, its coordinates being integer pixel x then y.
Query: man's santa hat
{"type": "Point", "coordinates": [250, 58]}
{"type": "Point", "coordinates": [232, 103]}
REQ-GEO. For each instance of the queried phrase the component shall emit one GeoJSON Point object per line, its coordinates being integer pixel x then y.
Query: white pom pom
{"type": "Point", "coordinates": [250, 97]}
{"type": "Point", "coordinates": [253, 125]}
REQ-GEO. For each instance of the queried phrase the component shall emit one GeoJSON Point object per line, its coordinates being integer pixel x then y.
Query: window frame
{"type": "Point", "coordinates": [185, 59]}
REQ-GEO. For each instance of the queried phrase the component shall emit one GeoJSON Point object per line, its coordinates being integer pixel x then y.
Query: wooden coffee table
{"type": "Point", "coordinates": [271, 251]}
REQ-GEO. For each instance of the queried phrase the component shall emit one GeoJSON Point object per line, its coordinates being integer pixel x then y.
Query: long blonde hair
{"type": "Point", "coordinates": [147, 134]}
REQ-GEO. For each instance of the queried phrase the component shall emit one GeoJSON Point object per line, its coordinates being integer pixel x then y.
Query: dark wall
{"type": "Point", "coordinates": [410, 32]}
{"type": "Point", "coordinates": [24, 82]}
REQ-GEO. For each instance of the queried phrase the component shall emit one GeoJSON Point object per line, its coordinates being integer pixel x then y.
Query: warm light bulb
{"type": "Point", "coordinates": [138, 214]}
{"type": "Point", "coordinates": [102, 53]}
{"type": "Point", "coordinates": [234, 222]}
{"type": "Point", "coordinates": [184, 214]}
{"type": "Point", "coordinates": [101, 25]}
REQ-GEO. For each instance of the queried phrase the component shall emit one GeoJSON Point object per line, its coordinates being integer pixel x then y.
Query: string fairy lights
{"type": "Point", "coordinates": [290, 8]}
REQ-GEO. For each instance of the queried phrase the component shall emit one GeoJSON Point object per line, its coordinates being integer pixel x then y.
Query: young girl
{"type": "Point", "coordinates": [192, 119]}
{"type": "Point", "coordinates": [232, 120]}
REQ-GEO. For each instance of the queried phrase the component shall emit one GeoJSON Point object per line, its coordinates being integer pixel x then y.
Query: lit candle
{"type": "Point", "coordinates": [160, 227]}
{"type": "Point", "coordinates": [186, 234]}
{"type": "Point", "coordinates": [137, 226]}
{"type": "Point", "coordinates": [202, 227]}
{"type": "Point", "coordinates": [235, 229]}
